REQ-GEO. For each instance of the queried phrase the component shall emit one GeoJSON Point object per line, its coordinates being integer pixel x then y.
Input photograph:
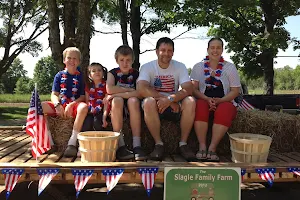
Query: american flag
{"type": "Point", "coordinates": [11, 177]}
{"type": "Point", "coordinates": [243, 172]}
{"type": "Point", "coordinates": [46, 175]}
{"type": "Point", "coordinates": [246, 105]}
{"type": "Point", "coordinates": [81, 177]}
{"type": "Point", "coordinates": [36, 126]}
{"type": "Point", "coordinates": [164, 83]}
{"type": "Point", "coordinates": [267, 174]}
{"type": "Point", "coordinates": [148, 177]}
{"type": "Point", "coordinates": [112, 177]}
{"type": "Point", "coordinates": [294, 170]}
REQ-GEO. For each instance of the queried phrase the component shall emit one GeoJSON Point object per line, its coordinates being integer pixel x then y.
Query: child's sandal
{"type": "Point", "coordinates": [201, 155]}
{"type": "Point", "coordinates": [210, 154]}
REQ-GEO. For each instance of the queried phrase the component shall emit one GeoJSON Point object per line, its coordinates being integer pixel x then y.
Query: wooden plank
{"type": "Point", "coordinates": [272, 158]}
{"type": "Point", "coordinates": [52, 158]}
{"type": "Point", "coordinates": [9, 136]}
{"type": "Point", "coordinates": [12, 155]}
{"type": "Point", "coordinates": [168, 159]}
{"type": "Point", "coordinates": [3, 132]}
{"type": "Point", "coordinates": [9, 141]}
{"type": "Point", "coordinates": [284, 158]}
{"type": "Point", "coordinates": [23, 158]}
{"type": "Point", "coordinates": [293, 156]}
{"type": "Point", "coordinates": [20, 145]}
{"type": "Point", "coordinates": [296, 154]}
{"type": "Point", "coordinates": [178, 158]}
{"type": "Point", "coordinates": [19, 128]}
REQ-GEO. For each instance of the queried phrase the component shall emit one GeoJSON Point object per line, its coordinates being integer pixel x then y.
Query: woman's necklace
{"type": "Point", "coordinates": [208, 81]}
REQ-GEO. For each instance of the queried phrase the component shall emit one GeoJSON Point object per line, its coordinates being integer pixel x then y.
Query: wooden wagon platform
{"type": "Point", "coordinates": [14, 154]}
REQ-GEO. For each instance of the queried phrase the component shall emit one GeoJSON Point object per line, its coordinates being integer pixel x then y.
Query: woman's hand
{"type": "Point", "coordinates": [217, 100]}
{"type": "Point", "coordinates": [211, 103]}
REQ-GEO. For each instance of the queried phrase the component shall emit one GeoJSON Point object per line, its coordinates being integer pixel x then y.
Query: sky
{"type": "Point", "coordinates": [189, 49]}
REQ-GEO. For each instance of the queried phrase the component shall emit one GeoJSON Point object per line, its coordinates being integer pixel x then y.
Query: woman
{"type": "Point", "coordinates": [216, 84]}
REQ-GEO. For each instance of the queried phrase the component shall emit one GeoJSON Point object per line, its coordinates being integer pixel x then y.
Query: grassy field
{"type": "Point", "coordinates": [261, 91]}
{"type": "Point", "coordinates": [7, 113]}
{"type": "Point", "coordinates": [20, 98]}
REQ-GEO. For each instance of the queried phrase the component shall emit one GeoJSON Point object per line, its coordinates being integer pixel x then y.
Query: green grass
{"type": "Point", "coordinates": [20, 98]}
{"type": "Point", "coordinates": [261, 91]}
{"type": "Point", "coordinates": [8, 113]}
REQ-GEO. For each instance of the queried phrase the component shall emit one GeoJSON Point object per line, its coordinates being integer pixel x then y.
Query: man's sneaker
{"type": "Point", "coordinates": [71, 151]}
{"type": "Point", "coordinates": [187, 153]}
{"type": "Point", "coordinates": [157, 153]}
{"type": "Point", "coordinates": [139, 154]}
{"type": "Point", "coordinates": [124, 154]}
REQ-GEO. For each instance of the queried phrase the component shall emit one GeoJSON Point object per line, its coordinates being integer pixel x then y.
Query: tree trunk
{"type": "Point", "coordinates": [84, 31]}
{"type": "Point", "coordinates": [70, 21]}
{"type": "Point", "coordinates": [123, 20]}
{"type": "Point", "coordinates": [54, 33]}
{"type": "Point", "coordinates": [267, 62]}
{"type": "Point", "coordinates": [135, 29]}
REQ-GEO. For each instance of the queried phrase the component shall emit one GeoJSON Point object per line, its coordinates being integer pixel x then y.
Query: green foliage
{"type": "Point", "coordinates": [12, 75]}
{"type": "Point", "coordinates": [23, 86]}
{"type": "Point", "coordinates": [13, 113]}
{"type": "Point", "coordinates": [44, 73]}
{"type": "Point", "coordinates": [22, 21]}
{"type": "Point", "coordinates": [20, 98]}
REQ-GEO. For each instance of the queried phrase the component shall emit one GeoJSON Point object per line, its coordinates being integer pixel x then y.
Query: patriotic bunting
{"type": "Point", "coordinates": [46, 176]}
{"type": "Point", "coordinates": [11, 177]}
{"type": "Point", "coordinates": [36, 126]}
{"type": "Point", "coordinates": [148, 177]}
{"type": "Point", "coordinates": [294, 170]}
{"type": "Point", "coordinates": [112, 177]}
{"type": "Point", "coordinates": [81, 177]}
{"type": "Point", "coordinates": [243, 172]}
{"type": "Point", "coordinates": [267, 174]}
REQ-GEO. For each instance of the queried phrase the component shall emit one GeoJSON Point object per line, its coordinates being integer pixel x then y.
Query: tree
{"type": "Point", "coordinates": [77, 27]}
{"type": "Point", "coordinates": [23, 86]}
{"type": "Point", "coordinates": [142, 17]}
{"type": "Point", "coordinates": [16, 16]}
{"type": "Point", "coordinates": [12, 75]}
{"type": "Point", "coordinates": [44, 73]}
{"type": "Point", "coordinates": [253, 29]}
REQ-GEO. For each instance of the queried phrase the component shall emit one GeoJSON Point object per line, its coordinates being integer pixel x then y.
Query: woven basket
{"type": "Point", "coordinates": [98, 146]}
{"type": "Point", "coordinates": [61, 130]}
{"type": "Point", "coordinates": [249, 148]}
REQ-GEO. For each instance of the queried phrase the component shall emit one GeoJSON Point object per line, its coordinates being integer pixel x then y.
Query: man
{"type": "Point", "coordinates": [158, 83]}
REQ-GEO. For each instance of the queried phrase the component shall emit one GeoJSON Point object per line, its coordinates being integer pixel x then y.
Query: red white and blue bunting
{"type": "Point", "coordinates": [148, 175]}
{"type": "Point", "coordinates": [267, 174]}
{"type": "Point", "coordinates": [11, 177]}
{"type": "Point", "coordinates": [112, 177]}
{"type": "Point", "coordinates": [243, 172]}
{"type": "Point", "coordinates": [81, 177]}
{"type": "Point", "coordinates": [46, 176]}
{"type": "Point", "coordinates": [294, 170]}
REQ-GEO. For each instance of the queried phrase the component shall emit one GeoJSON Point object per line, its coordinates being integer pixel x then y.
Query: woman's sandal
{"type": "Point", "coordinates": [201, 155]}
{"type": "Point", "coordinates": [210, 154]}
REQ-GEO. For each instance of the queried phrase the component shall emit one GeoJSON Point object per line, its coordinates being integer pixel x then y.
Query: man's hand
{"type": "Point", "coordinates": [163, 103]}
{"type": "Point", "coordinates": [175, 107]}
{"type": "Point", "coordinates": [69, 109]}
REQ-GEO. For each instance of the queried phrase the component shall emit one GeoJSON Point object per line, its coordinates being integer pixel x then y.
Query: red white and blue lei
{"type": "Point", "coordinates": [63, 85]}
{"type": "Point", "coordinates": [208, 80]}
{"type": "Point", "coordinates": [96, 96]}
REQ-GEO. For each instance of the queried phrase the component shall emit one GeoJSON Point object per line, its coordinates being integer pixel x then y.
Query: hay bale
{"type": "Point", "coordinates": [61, 130]}
{"type": "Point", "coordinates": [283, 128]}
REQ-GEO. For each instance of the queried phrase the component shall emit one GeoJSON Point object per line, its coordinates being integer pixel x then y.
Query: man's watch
{"type": "Point", "coordinates": [171, 98]}
{"type": "Point", "coordinates": [56, 104]}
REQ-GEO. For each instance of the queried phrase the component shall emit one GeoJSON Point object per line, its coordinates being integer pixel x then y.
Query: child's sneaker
{"type": "Point", "coordinates": [124, 154]}
{"type": "Point", "coordinates": [139, 154]}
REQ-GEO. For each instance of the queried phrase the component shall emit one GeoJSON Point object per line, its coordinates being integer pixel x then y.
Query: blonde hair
{"type": "Point", "coordinates": [71, 49]}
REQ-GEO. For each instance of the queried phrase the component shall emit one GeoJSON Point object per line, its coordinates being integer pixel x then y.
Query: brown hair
{"type": "Point", "coordinates": [89, 81]}
{"type": "Point", "coordinates": [215, 38]}
{"type": "Point", "coordinates": [124, 50]}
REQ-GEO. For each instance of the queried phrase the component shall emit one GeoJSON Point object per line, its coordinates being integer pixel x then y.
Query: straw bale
{"type": "Point", "coordinates": [283, 128]}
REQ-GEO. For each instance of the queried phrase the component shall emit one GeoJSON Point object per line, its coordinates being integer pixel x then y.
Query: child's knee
{"type": "Point", "coordinates": [117, 102]}
{"type": "Point", "coordinates": [133, 101]}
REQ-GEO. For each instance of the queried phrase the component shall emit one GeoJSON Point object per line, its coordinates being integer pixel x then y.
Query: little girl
{"type": "Point", "coordinates": [95, 92]}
